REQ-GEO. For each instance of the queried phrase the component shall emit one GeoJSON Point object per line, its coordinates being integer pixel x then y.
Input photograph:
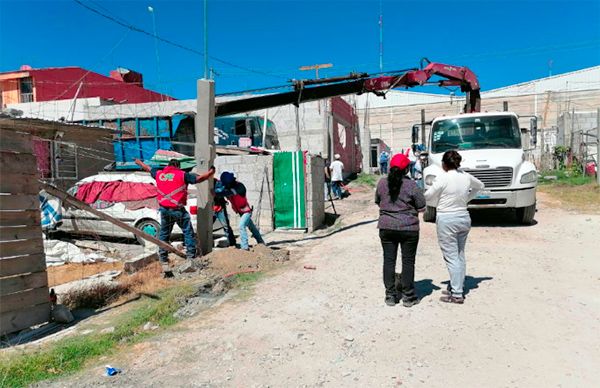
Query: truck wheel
{"type": "Point", "coordinates": [147, 226]}
{"type": "Point", "coordinates": [526, 214]}
{"type": "Point", "coordinates": [429, 215]}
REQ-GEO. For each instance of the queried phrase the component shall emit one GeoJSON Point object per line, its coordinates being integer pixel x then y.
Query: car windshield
{"type": "Point", "coordinates": [476, 133]}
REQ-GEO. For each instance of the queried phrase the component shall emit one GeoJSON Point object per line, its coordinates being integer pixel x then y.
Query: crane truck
{"type": "Point", "coordinates": [493, 145]}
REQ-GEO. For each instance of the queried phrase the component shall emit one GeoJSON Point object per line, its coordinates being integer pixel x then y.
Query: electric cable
{"type": "Point", "coordinates": [170, 42]}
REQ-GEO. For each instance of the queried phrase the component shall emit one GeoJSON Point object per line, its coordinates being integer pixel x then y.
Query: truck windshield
{"type": "Point", "coordinates": [476, 133]}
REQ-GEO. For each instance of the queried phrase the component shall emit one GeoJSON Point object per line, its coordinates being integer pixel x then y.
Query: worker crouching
{"type": "Point", "coordinates": [171, 186]}
{"type": "Point", "coordinates": [236, 194]}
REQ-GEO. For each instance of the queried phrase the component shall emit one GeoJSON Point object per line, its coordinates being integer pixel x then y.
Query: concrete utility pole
{"type": "Point", "coordinates": [423, 132]}
{"type": "Point", "coordinates": [326, 123]}
{"type": "Point", "coordinates": [205, 40]}
{"type": "Point", "coordinates": [205, 157]}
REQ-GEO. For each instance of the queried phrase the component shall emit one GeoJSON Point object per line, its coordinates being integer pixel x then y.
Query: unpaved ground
{"type": "Point", "coordinates": [531, 318]}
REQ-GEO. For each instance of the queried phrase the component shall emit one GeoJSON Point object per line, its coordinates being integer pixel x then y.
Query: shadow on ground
{"type": "Point", "coordinates": [502, 218]}
{"type": "Point", "coordinates": [471, 283]}
{"type": "Point", "coordinates": [342, 229]}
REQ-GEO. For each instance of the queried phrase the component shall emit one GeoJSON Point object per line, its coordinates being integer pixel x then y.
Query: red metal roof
{"type": "Point", "coordinates": [61, 83]}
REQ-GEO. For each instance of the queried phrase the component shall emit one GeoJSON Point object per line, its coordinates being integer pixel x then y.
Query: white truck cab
{"type": "Point", "coordinates": [493, 150]}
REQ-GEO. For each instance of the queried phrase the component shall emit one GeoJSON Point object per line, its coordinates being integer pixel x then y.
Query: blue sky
{"type": "Point", "coordinates": [503, 42]}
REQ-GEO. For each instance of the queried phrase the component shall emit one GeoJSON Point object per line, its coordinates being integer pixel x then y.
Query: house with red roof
{"type": "Point", "coordinates": [122, 86]}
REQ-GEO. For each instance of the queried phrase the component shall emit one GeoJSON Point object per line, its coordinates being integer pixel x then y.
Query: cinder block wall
{"type": "Point", "coordinates": [254, 171]}
{"type": "Point", "coordinates": [315, 180]}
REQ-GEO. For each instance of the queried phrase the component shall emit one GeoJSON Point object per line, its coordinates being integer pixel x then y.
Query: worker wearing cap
{"type": "Point", "coordinates": [236, 194]}
{"type": "Point", "coordinates": [337, 176]}
{"type": "Point", "coordinates": [171, 186]}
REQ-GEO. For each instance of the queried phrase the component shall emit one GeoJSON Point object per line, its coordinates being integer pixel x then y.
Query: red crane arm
{"type": "Point", "coordinates": [456, 76]}
{"type": "Point", "coordinates": [311, 90]}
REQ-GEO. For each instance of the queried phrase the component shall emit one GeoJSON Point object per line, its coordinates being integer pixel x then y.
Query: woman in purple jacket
{"type": "Point", "coordinates": [400, 201]}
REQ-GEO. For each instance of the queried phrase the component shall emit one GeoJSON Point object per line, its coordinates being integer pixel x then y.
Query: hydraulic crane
{"type": "Point", "coordinates": [358, 83]}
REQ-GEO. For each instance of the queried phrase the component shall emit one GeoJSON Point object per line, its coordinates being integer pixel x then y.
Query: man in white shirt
{"type": "Point", "coordinates": [337, 176]}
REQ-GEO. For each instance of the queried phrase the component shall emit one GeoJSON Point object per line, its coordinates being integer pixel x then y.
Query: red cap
{"type": "Point", "coordinates": [400, 161]}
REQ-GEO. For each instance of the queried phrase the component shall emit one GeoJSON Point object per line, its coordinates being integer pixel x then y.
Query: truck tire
{"type": "Point", "coordinates": [429, 215]}
{"type": "Point", "coordinates": [526, 214]}
{"type": "Point", "coordinates": [149, 226]}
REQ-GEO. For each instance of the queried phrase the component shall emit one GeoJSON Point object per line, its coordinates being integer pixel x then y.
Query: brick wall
{"type": "Point", "coordinates": [250, 170]}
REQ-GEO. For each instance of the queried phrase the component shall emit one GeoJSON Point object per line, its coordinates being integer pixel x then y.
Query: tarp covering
{"type": "Point", "coordinates": [115, 191]}
{"type": "Point", "coordinates": [51, 211]}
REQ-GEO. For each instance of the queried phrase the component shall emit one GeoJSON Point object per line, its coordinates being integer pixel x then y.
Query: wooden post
{"type": "Point", "coordinates": [205, 157]}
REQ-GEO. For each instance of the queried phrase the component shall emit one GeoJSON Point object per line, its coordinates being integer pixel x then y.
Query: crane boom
{"type": "Point", "coordinates": [311, 90]}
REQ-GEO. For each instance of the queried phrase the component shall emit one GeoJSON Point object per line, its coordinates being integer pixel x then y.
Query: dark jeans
{"type": "Point", "coordinates": [408, 241]}
{"type": "Point", "coordinates": [336, 187]}
{"type": "Point", "coordinates": [168, 218]}
{"type": "Point", "coordinates": [383, 168]}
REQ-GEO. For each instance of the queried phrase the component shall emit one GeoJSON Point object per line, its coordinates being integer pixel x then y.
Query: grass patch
{"type": "Point", "coordinates": [565, 177]}
{"type": "Point", "coordinates": [246, 279]}
{"type": "Point", "coordinates": [366, 179]}
{"type": "Point", "coordinates": [573, 190]}
{"type": "Point", "coordinates": [69, 355]}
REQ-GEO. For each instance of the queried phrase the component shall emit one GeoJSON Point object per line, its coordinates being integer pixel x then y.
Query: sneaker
{"type": "Point", "coordinates": [391, 300]}
{"type": "Point", "coordinates": [452, 299]}
{"type": "Point", "coordinates": [410, 302]}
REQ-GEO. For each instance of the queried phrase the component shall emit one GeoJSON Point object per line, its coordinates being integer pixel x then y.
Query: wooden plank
{"type": "Point", "coordinates": [13, 321]}
{"type": "Point", "coordinates": [70, 200]}
{"type": "Point", "coordinates": [22, 264]}
{"type": "Point", "coordinates": [19, 201]}
{"type": "Point", "coordinates": [20, 300]}
{"type": "Point", "coordinates": [15, 141]}
{"type": "Point", "coordinates": [21, 247]}
{"type": "Point", "coordinates": [19, 283]}
{"type": "Point", "coordinates": [19, 233]}
{"type": "Point", "coordinates": [19, 184]}
{"type": "Point", "coordinates": [24, 218]}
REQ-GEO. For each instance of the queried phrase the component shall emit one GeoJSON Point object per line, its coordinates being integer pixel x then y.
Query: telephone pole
{"type": "Point", "coordinates": [316, 68]}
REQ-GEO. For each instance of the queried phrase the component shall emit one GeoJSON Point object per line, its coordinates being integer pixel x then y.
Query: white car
{"type": "Point", "coordinates": [145, 219]}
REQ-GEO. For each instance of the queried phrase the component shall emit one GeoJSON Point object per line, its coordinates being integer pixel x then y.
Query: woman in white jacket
{"type": "Point", "coordinates": [450, 193]}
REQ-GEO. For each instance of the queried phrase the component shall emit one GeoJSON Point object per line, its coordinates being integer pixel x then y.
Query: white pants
{"type": "Point", "coordinates": [452, 231]}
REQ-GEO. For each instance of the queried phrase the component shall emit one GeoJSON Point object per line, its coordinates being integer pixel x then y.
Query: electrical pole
{"type": "Point", "coordinates": [325, 124]}
{"type": "Point", "coordinates": [205, 157]}
{"type": "Point", "coordinates": [205, 39]}
{"type": "Point", "coordinates": [381, 35]}
{"type": "Point", "coordinates": [316, 68]}
{"type": "Point", "coordinates": [151, 10]}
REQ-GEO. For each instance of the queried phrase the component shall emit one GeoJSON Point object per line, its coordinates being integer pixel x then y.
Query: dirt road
{"type": "Point", "coordinates": [531, 317]}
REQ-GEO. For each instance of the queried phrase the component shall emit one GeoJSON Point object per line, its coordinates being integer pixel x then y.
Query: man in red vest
{"type": "Point", "coordinates": [171, 185]}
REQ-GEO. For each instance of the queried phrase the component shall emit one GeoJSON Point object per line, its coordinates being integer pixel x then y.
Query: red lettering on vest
{"type": "Point", "coordinates": [172, 189]}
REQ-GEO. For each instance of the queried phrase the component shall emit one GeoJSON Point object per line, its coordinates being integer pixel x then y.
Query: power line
{"type": "Point", "coordinates": [168, 41]}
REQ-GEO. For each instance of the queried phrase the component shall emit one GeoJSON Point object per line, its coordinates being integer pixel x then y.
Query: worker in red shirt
{"type": "Point", "coordinates": [171, 185]}
{"type": "Point", "coordinates": [220, 213]}
{"type": "Point", "coordinates": [236, 194]}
